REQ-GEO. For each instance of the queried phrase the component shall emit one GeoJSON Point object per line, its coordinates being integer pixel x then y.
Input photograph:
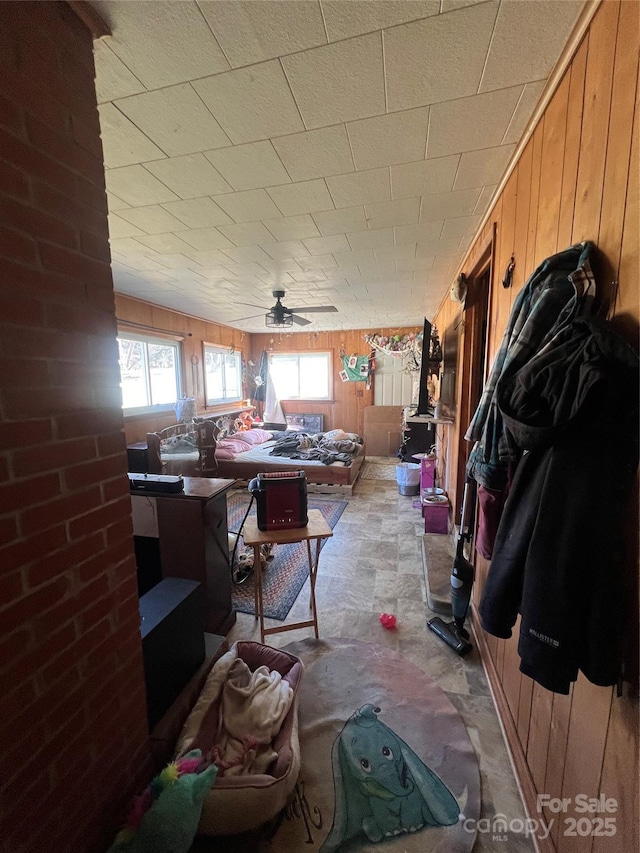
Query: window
{"type": "Point", "coordinates": [301, 376]}
{"type": "Point", "coordinates": [222, 374]}
{"type": "Point", "coordinates": [149, 373]}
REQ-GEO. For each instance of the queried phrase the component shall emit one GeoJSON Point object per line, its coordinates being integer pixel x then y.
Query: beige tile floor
{"type": "Point", "coordinates": [373, 564]}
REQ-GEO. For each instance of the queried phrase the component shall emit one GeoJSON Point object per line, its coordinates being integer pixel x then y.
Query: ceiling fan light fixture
{"type": "Point", "coordinates": [278, 319]}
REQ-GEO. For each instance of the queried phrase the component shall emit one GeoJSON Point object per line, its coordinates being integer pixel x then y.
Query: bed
{"type": "Point", "coordinates": [242, 463]}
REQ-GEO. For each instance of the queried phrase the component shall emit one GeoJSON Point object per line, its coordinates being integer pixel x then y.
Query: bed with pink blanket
{"type": "Point", "coordinates": [243, 455]}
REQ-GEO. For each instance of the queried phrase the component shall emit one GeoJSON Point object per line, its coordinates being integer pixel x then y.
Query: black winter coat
{"type": "Point", "coordinates": [573, 410]}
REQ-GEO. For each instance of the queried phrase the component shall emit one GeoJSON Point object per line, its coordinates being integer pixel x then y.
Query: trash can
{"type": "Point", "coordinates": [408, 478]}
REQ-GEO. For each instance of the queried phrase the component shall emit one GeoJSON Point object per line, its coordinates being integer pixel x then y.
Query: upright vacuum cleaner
{"type": "Point", "coordinates": [454, 633]}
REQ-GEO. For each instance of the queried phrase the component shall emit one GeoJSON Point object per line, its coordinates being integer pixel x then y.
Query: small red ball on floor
{"type": "Point", "coordinates": [388, 621]}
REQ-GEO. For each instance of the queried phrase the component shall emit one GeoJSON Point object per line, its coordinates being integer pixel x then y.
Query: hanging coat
{"type": "Point", "coordinates": [573, 413]}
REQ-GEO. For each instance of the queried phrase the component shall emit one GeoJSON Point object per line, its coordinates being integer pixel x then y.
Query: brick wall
{"type": "Point", "coordinates": [73, 738]}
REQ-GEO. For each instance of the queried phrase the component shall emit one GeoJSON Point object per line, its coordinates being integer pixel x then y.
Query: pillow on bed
{"type": "Point", "coordinates": [227, 448]}
{"type": "Point", "coordinates": [253, 436]}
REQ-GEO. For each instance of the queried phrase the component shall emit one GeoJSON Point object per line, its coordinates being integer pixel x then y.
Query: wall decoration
{"type": "Point", "coordinates": [356, 367]}
{"type": "Point", "coordinates": [344, 375]}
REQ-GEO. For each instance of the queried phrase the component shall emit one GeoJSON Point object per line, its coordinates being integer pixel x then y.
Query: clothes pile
{"type": "Point", "coordinates": [326, 447]}
{"type": "Point", "coordinates": [556, 455]}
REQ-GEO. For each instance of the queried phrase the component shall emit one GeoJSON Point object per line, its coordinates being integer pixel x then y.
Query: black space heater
{"type": "Point", "coordinates": [281, 500]}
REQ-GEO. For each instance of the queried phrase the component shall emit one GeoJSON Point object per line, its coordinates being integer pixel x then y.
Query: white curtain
{"type": "Point", "coordinates": [273, 413]}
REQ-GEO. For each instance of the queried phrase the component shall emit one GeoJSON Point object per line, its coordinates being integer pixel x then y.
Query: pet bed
{"type": "Point", "coordinates": [239, 803]}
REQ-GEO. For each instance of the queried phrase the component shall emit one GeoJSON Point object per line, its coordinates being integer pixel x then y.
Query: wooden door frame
{"type": "Point", "coordinates": [474, 341]}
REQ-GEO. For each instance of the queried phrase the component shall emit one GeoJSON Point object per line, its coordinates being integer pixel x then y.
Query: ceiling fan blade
{"type": "Point", "coordinates": [315, 309]}
{"type": "Point", "coordinates": [240, 319]}
{"type": "Point", "coordinates": [300, 321]}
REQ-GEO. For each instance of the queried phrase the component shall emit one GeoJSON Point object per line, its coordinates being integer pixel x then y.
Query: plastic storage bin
{"type": "Point", "coordinates": [408, 478]}
{"type": "Point", "coordinates": [436, 517]}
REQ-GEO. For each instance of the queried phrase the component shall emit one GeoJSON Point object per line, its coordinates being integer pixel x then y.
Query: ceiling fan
{"type": "Point", "coordinates": [279, 315]}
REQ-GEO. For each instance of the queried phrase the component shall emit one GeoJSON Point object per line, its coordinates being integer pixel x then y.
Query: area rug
{"type": "Point", "coordinates": [285, 575]}
{"type": "Point", "coordinates": [387, 764]}
{"type": "Point", "coordinates": [379, 470]}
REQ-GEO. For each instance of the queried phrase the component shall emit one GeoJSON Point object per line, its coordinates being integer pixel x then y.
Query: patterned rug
{"type": "Point", "coordinates": [285, 575]}
{"type": "Point", "coordinates": [387, 764]}
{"type": "Point", "coordinates": [379, 470]}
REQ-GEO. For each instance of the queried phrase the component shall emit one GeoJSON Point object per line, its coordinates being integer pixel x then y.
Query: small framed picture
{"type": "Point", "coordinates": [353, 361]}
{"type": "Point", "coordinates": [364, 368]}
{"type": "Point", "coordinates": [344, 376]}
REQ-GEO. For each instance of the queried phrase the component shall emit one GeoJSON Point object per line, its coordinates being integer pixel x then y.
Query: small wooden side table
{"type": "Point", "coordinates": [317, 529]}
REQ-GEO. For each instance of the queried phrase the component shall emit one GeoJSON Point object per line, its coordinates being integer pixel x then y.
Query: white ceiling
{"type": "Point", "coordinates": [343, 150]}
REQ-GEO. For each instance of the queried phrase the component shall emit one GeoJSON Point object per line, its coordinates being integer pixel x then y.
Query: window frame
{"type": "Point", "coordinates": [160, 340]}
{"type": "Point", "coordinates": [305, 354]}
{"type": "Point", "coordinates": [211, 402]}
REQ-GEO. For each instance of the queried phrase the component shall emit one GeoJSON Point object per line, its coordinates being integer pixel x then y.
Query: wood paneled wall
{"type": "Point", "coordinates": [345, 410]}
{"type": "Point", "coordinates": [576, 179]}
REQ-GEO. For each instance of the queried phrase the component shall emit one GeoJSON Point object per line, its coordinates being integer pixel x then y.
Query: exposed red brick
{"type": "Point", "coordinates": [85, 135]}
{"type": "Point", "coordinates": [80, 319]}
{"type": "Point", "coordinates": [100, 517]}
{"type": "Point", "coordinates": [8, 530]}
{"type": "Point", "coordinates": [22, 373]}
{"type": "Point", "coordinates": [25, 217]}
{"type": "Point", "coordinates": [72, 210]}
{"type": "Point", "coordinates": [11, 116]}
{"type": "Point", "coordinates": [113, 489]}
{"type": "Point", "coordinates": [89, 423]}
{"type": "Point", "coordinates": [24, 403]}
{"type": "Point", "coordinates": [21, 494]}
{"type": "Point", "coordinates": [24, 433]}
{"type": "Point", "coordinates": [44, 343]}
{"type": "Point", "coordinates": [95, 247]}
{"type": "Point", "coordinates": [65, 507]}
{"type": "Point", "coordinates": [13, 182]}
{"type": "Point", "coordinates": [24, 551]}
{"type": "Point", "coordinates": [18, 246]}
{"type": "Point", "coordinates": [113, 443]}
{"type": "Point", "coordinates": [11, 586]}
{"type": "Point", "coordinates": [4, 476]}
{"type": "Point", "coordinates": [13, 645]}
{"type": "Point", "coordinates": [26, 157]}
{"type": "Point", "coordinates": [61, 148]}
{"type": "Point", "coordinates": [32, 605]}
{"type": "Point", "coordinates": [20, 310]}
{"type": "Point", "coordinates": [28, 281]}
{"type": "Point", "coordinates": [53, 456]}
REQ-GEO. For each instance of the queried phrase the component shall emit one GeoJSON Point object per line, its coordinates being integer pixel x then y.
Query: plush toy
{"type": "Point", "coordinates": [165, 817]}
{"type": "Point", "coordinates": [245, 560]}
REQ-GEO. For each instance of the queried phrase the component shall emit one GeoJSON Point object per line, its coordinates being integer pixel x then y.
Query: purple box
{"type": "Point", "coordinates": [428, 473]}
{"type": "Point", "coordinates": [436, 517]}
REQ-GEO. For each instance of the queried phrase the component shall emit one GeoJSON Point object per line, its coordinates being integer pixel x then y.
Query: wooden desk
{"type": "Point", "coordinates": [317, 528]}
{"type": "Point", "coordinates": [189, 530]}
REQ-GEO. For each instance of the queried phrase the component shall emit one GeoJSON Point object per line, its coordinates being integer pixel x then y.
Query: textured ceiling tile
{"type": "Point", "coordinates": [247, 254]}
{"type": "Point", "coordinates": [115, 203]}
{"type": "Point", "coordinates": [165, 244]}
{"type": "Point", "coordinates": [152, 219]}
{"type": "Point", "coordinates": [360, 187]}
{"type": "Point", "coordinates": [418, 233]}
{"type": "Point", "coordinates": [339, 221]}
{"type": "Point", "coordinates": [523, 111]}
{"type": "Point", "coordinates": [317, 262]}
{"type": "Point", "coordinates": [390, 213]}
{"type": "Point", "coordinates": [371, 239]}
{"type": "Point", "coordinates": [122, 143]}
{"type": "Point", "coordinates": [385, 140]}
{"type": "Point", "coordinates": [408, 264]}
{"type": "Point", "coordinates": [197, 213]}
{"type": "Point", "coordinates": [325, 245]}
{"type": "Point", "coordinates": [251, 103]}
{"type": "Point", "coordinates": [451, 5]}
{"type": "Point", "coordinates": [395, 253]}
{"type": "Point", "coordinates": [113, 78]}
{"type": "Point", "coordinates": [205, 239]}
{"type": "Point", "coordinates": [288, 249]}
{"type": "Point", "coordinates": [191, 176]}
{"type": "Point", "coordinates": [303, 197]}
{"type": "Point", "coordinates": [428, 248]}
{"type": "Point", "coordinates": [486, 166]}
{"type": "Point", "coordinates": [250, 166]}
{"type": "Point", "coordinates": [246, 270]}
{"type": "Point", "coordinates": [248, 206]}
{"type": "Point", "coordinates": [424, 177]}
{"type": "Point", "coordinates": [282, 264]}
{"type": "Point", "coordinates": [314, 276]}
{"type": "Point", "coordinates": [461, 227]}
{"type": "Point", "coordinates": [448, 205]}
{"type": "Point", "coordinates": [250, 31]}
{"type": "Point", "coordinates": [344, 20]}
{"type": "Point", "coordinates": [137, 187]}
{"type": "Point", "coordinates": [339, 82]}
{"type": "Point", "coordinates": [353, 259]}
{"type": "Point", "coordinates": [175, 119]}
{"type": "Point", "coordinates": [246, 234]}
{"type": "Point", "coordinates": [162, 43]}
{"type": "Point", "coordinates": [485, 198]}
{"type": "Point", "coordinates": [439, 58]}
{"type": "Point", "coordinates": [119, 228]}
{"type": "Point", "coordinates": [471, 123]}
{"type": "Point", "coordinates": [315, 154]}
{"type": "Point", "coordinates": [292, 227]}
{"type": "Point", "coordinates": [527, 40]}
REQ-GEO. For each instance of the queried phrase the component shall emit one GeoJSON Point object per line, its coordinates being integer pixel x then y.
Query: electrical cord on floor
{"type": "Point", "coordinates": [239, 576]}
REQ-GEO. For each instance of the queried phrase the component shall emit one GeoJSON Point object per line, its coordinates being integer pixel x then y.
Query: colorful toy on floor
{"type": "Point", "coordinates": [388, 621]}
